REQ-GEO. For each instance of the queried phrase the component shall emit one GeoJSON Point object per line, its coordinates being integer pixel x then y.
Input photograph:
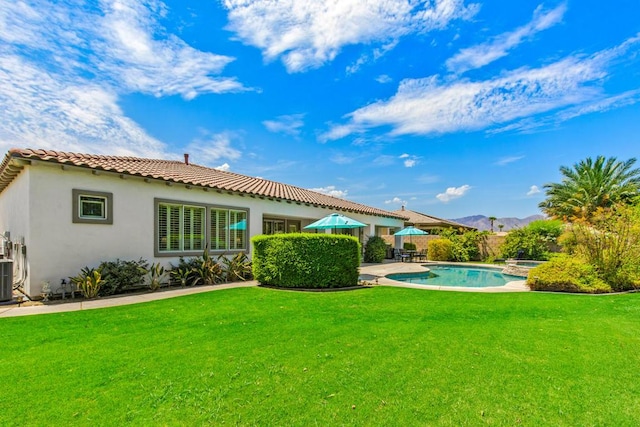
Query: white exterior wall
{"type": "Point", "coordinates": [58, 248]}
{"type": "Point", "coordinates": [14, 208]}
{"type": "Point", "coordinates": [15, 218]}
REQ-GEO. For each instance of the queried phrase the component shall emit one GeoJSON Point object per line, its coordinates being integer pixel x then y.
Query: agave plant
{"type": "Point", "coordinates": [89, 281]}
{"type": "Point", "coordinates": [156, 275]}
{"type": "Point", "coordinates": [181, 275]}
{"type": "Point", "coordinates": [236, 268]}
{"type": "Point", "coordinates": [209, 272]}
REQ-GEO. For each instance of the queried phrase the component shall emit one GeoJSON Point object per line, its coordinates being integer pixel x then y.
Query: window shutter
{"type": "Point", "coordinates": [193, 228]}
{"type": "Point", "coordinates": [237, 238]}
{"type": "Point", "coordinates": [219, 229]}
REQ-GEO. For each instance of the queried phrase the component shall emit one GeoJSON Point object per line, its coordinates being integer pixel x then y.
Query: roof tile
{"type": "Point", "coordinates": [180, 172]}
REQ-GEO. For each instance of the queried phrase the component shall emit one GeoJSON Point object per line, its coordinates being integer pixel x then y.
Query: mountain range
{"type": "Point", "coordinates": [481, 222]}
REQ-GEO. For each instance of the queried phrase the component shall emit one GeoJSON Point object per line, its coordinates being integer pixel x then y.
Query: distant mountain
{"type": "Point", "coordinates": [482, 222]}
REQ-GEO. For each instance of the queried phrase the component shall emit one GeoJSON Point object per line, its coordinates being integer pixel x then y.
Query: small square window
{"type": "Point", "coordinates": [92, 207]}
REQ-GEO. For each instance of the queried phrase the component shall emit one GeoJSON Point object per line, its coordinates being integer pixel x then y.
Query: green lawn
{"type": "Point", "coordinates": [382, 356]}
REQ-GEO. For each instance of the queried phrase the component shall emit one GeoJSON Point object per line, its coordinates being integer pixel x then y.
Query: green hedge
{"type": "Point", "coordinates": [304, 260]}
{"type": "Point", "coordinates": [566, 274]}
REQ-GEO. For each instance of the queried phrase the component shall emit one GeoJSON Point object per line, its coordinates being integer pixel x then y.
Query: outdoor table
{"type": "Point", "coordinates": [411, 254]}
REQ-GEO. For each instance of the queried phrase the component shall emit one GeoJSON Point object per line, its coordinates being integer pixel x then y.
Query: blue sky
{"type": "Point", "coordinates": [449, 107]}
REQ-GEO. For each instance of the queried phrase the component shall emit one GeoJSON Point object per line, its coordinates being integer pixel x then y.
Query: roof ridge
{"type": "Point", "coordinates": [178, 171]}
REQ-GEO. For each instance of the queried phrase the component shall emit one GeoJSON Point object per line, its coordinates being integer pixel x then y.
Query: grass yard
{"type": "Point", "coordinates": [383, 356]}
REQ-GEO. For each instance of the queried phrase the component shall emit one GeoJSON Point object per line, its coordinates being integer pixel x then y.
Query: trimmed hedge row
{"type": "Point", "coordinates": [312, 261]}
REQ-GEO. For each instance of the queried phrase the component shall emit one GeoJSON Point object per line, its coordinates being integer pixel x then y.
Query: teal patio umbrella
{"type": "Point", "coordinates": [334, 221]}
{"type": "Point", "coordinates": [410, 231]}
{"type": "Point", "coordinates": [240, 225]}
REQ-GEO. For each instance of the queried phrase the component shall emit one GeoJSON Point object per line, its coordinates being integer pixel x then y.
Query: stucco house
{"type": "Point", "coordinates": [61, 211]}
{"type": "Point", "coordinates": [428, 222]}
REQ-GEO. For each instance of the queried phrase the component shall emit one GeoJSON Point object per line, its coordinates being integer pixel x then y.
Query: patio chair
{"type": "Point", "coordinates": [400, 255]}
{"type": "Point", "coordinates": [421, 255]}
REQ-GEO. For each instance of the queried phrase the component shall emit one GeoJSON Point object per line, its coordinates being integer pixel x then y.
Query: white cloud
{"type": "Point", "coordinates": [134, 51]}
{"type": "Point", "coordinates": [396, 201]}
{"type": "Point", "coordinates": [409, 160]}
{"type": "Point", "coordinates": [223, 167]}
{"type": "Point", "coordinates": [506, 160]}
{"type": "Point", "coordinates": [287, 124]}
{"type": "Point", "coordinates": [41, 111]}
{"type": "Point", "coordinates": [452, 193]}
{"type": "Point", "coordinates": [64, 66]}
{"type": "Point", "coordinates": [212, 148]}
{"type": "Point", "coordinates": [366, 58]}
{"type": "Point", "coordinates": [343, 159]}
{"type": "Point", "coordinates": [483, 54]}
{"type": "Point", "coordinates": [533, 190]}
{"type": "Point", "coordinates": [383, 78]}
{"type": "Point", "coordinates": [331, 190]}
{"type": "Point", "coordinates": [434, 105]}
{"type": "Point", "coordinates": [384, 160]}
{"type": "Point", "coordinates": [306, 34]}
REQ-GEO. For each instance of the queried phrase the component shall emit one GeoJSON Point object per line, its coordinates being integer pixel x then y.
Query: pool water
{"type": "Point", "coordinates": [458, 276]}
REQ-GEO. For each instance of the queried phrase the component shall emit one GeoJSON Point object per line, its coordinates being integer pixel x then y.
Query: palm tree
{"type": "Point", "coordinates": [590, 185]}
{"type": "Point", "coordinates": [491, 219]}
{"type": "Point", "coordinates": [500, 226]}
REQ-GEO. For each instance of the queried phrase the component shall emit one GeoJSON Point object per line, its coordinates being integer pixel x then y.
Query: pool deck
{"type": "Point", "coordinates": [373, 273]}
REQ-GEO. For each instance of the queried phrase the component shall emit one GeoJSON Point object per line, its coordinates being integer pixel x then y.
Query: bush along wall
{"type": "Point", "coordinates": [312, 261]}
{"type": "Point", "coordinates": [375, 249]}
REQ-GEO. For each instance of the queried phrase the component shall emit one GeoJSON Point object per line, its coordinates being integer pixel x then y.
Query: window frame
{"type": "Point", "coordinates": [208, 209]}
{"type": "Point", "coordinates": [76, 207]}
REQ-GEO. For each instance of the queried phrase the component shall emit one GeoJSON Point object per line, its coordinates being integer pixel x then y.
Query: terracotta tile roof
{"type": "Point", "coordinates": [420, 219]}
{"type": "Point", "coordinates": [189, 174]}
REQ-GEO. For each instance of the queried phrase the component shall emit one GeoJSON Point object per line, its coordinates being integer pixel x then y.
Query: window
{"type": "Point", "coordinates": [92, 207]}
{"type": "Point", "coordinates": [228, 229]}
{"type": "Point", "coordinates": [219, 223]}
{"type": "Point", "coordinates": [279, 226]}
{"type": "Point", "coordinates": [237, 230]}
{"type": "Point", "coordinates": [180, 228]}
{"type": "Point", "coordinates": [183, 228]}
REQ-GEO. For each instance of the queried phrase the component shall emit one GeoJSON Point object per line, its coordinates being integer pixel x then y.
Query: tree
{"type": "Point", "coordinates": [491, 219]}
{"type": "Point", "coordinates": [589, 185]}
{"type": "Point", "coordinates": [500, 226]}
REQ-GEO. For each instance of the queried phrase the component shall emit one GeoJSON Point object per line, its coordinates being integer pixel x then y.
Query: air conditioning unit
{"type": "Point", "coordinates": [6, 280]}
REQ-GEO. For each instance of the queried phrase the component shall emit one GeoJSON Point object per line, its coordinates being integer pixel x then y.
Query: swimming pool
{"type": "Point", "coordinates": [457, 276]}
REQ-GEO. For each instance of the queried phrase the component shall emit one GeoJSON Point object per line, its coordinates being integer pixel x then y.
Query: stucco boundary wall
{"type": "Point", "coordinates": [490, 248]}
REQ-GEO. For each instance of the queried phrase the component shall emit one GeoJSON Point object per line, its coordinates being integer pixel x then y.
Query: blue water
{"type": "Point", "coordinates": [460, 276]}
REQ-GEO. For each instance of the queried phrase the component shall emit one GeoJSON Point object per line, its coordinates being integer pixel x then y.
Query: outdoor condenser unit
{"type": "Point", "coordinates": [6, 280]}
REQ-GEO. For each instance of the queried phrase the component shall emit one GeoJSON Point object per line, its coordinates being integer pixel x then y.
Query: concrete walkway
{"type": "Point", "coordinates": [373, 273]}
{"type": "Point", "coordinates": [59, 306]}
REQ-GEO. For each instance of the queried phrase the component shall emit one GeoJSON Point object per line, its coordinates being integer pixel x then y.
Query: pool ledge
{"type": "Point", "coordinates": [382, 270]}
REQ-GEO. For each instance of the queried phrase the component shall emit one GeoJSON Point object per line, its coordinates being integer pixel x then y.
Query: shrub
{"type": "Point", "coordinates": [465, 246]}
{"type": "Point", "coordinates": [119, 276]}
{"type": "Point", "coordinates": [409, 246]}
{"type": "Point", "coordinates": [89, 281]}
{"type": "Point", "coordinates": [156, 276]}
{"type": "Point", "coordinates": [207, 270]}
{"type": "Point", "coordinates": [375, 249]}
{"type": "Point", "coordinates": [535, 241]}
{"type": "Point", "coordinates": [185, 272]}
{"type": "Point", "coordinates": [566, 274]}
{"type": "Point", "coordinates": [611, 243]}
{"type": "Point", "coordinates": [306, 260]}
{"type": "Point", "coordinates": [236, 268]}
{"type": "Point", "coordinates": [440, 249]}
